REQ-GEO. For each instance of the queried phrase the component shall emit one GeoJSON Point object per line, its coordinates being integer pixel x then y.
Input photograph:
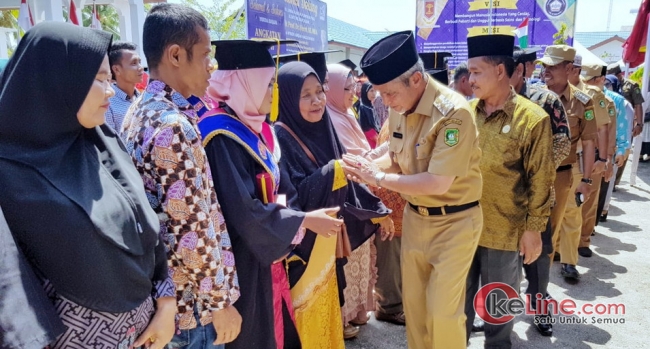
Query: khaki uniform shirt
{"type": "Point", "coordinates": [611, 111]}
{"type": "Point", "coordinates": [518, 170]}
{"type": "Point", "coordinates": [599, 101]}
{"type": "Point", "coordinates": [439, 137]}
{"type": "Point", "coordinates": [582, 119]}
{"type": "Point", "coordinates": [632, 92]}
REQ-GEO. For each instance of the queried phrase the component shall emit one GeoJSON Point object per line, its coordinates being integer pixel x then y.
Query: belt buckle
{"type": "Point", "coordinates": [423, 211]}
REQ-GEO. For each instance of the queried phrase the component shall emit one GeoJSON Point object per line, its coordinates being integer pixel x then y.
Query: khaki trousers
{"type": "Point", "coordinates": [437, 252]}
{"type": "Point", "coordinates": [569, 235]}
{"type": "Point", "coordinates": [563, 182]}
{"type": "Point", "coordinates": [589, 214]}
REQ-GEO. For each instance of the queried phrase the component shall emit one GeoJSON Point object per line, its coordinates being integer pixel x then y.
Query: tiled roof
{"type": "Point", "coordinates": [346, 33]}
{"type": "Point", "coordinates": [593, 38]}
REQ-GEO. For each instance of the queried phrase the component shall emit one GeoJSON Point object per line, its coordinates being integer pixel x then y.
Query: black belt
{"type": "Point", "coordinates": [441, 211]}
{"type": "Point", "coordinates": [564, 168]}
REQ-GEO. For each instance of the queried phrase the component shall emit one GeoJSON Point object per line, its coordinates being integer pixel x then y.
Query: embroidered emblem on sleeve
{"type": "Point", "coordinates": [451, 136]}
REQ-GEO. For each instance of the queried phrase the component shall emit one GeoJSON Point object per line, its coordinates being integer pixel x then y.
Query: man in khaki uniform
{"type": "Point", "coordinates": [557, 63]}
{"type": "Point", "coordinates": [602, 165]}
{"type": "Point", "coordinates": [518, 172]}
{"type": "Point", "coordinates": [594, 78]}
{"type": "Point", "coordinates": [434, 163]}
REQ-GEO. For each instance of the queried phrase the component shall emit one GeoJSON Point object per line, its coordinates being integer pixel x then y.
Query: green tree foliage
{"type": "Point", "coordinates": [221, 17]}
{"type": "Point", "coordinates": [561, 36]}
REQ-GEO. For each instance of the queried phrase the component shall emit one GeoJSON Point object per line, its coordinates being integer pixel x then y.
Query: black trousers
{"type": "Point", "coordinates": [490, 265]}
{"type": "Point", "coordinates": [389, 275]}
{"type": "Point", "coordinates": [604, 186]}
{"type": "Point", "coordinates": [538, 272]}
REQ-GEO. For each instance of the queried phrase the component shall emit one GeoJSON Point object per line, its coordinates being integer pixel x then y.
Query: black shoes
{"type": "Point", "coordinates": [570, 272]}
{"type": "Point", "coordinates": [556, 257]}
{"type": "Point", "coordinates": [585, 252]}
{"type": "Point", "coordinates": [603, 217]}
{"type": "Point", "coordinates": [544, 324]}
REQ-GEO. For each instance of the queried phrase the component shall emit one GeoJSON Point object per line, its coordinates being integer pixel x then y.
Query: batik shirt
{"type": "Point", "coordinates": [162, 137]}
{"type": "Point", "coordinates": [550, 102]}
{"type": "Point", "coordinates": [517, 170]}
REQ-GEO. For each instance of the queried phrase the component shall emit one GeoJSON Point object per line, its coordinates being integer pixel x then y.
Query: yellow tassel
{"type": "Point", "coordinates": [275, 103]}
{"type": "Point", "coordinates": [275, 100]}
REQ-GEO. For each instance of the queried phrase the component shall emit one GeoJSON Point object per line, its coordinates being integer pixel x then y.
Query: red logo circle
{"type": "Point", "coordinates": [481, 297]}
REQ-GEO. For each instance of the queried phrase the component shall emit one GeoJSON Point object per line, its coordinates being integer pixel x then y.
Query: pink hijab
{"type": "Point", "coordinates": [346, 125]}
{"type": "Point", "coordinates": [243, 91]}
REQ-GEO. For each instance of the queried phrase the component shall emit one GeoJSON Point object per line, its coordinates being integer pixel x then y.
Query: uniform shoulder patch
{"type": "Point", "coordinates": [611, 112]}
{"type": "Point", "coordinates": [602, 103]}
{"type": "Point", "coordinates": [581, 96]}
{"type": "Point", "coordinates": [589, 115]}
{"type": "Point", "coordinates": [451, 136]}
{"type": "Point", "coordinates": [443, 104]}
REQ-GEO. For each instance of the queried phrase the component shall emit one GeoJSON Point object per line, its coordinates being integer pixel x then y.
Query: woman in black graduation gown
{"type": "Point", "coordinates": [311, 154]}
{"type": "Point", "coordinates": [247, 180]}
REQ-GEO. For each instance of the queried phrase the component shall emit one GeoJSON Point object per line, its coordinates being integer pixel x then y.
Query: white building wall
{"type": "Point", "coordinates": [611, 52]}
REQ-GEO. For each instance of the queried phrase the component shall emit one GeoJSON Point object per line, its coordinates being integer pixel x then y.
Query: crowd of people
{"type": "Point", "coordinates": [275, 201]}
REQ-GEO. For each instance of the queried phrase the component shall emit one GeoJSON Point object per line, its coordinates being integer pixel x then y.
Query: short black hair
{"type": "Point", "coordinates": [115, 52]}
{"type": "Point", "coordinates": [170, 24]}
{"type": "Point", "coordinates": [507, 62]}
{"type": "Point", "coordinates": [460, 71]}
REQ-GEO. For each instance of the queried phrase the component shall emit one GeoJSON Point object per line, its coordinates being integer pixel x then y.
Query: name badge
{"type": "Point", "coordinates": [397, 135]}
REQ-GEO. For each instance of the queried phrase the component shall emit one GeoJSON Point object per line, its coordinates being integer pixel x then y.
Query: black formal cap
{"type": "Point", "coordinates": [435, 60]}
{"type": "Point", "coordinates": [348, 63]}
{"type": "Point", "coordinates": [245, 54]}
{"type": "Point", "coordinates": [390, 57]}
{"type": "Point", "coordinates": [527, 55]}
{"type": "Point", "coordinates": [490, 45]}
{"type": "Point", "coordinates": [316, 60]}
{"type": "Point", "coordinates": [441, 75]}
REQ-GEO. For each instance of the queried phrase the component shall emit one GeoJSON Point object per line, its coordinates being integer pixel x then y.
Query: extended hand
{"type": "Point", "coordinates": [359, 169]}
{"type": "Point", "coordinates": [323, 222]}
{"type": "Point", "coordinates": [227, 324]}
{"type": "Point", "coordinates": [161, 328]}
{"type": "Point", "coordinates": [530, 246]}
{"type": "Point", "coordinates": [387, 227]}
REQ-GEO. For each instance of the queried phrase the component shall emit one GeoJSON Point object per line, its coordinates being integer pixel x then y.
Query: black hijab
{"type": "Point", "coordinates": [367, 118]}
{"type": "Point", "coordinates": [320, 137]}
{"type": "Point", "coordinates": [72, 197]}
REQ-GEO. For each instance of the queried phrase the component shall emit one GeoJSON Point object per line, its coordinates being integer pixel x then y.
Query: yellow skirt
{"type": "Point", "coordinates": [316, 300]}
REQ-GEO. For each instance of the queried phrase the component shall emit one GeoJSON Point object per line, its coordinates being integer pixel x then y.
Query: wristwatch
{"type": "Point", "coordinates": [379, 176]}
{"type": "Point", "coordinates": [601, 160]}
{"type": "Point", "coordinates": [586, 180]}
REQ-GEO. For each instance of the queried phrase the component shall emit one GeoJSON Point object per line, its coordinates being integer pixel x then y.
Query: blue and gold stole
{"type": "Point", "coordinates": [221, 123]}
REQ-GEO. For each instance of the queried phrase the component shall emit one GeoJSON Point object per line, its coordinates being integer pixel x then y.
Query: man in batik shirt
{"type": "Point", "coordinates": [538, 272]}
{"type": "Point", "coordinates": [161, 134]}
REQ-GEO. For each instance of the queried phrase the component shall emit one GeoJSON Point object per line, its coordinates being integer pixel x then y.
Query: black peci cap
{"type": "Point", "coordinates": [435, 60]}
{"type": "Point", "coordinates": [490, 45]}
{"type": "Point", "coordinates": [348, 63]}
{"type": "Point", "coordinates": [316, 60]}
{"type": "Point", "coordinates": [527, 55]}
{"type": "Point", "coordinates": [245, 54]}
{"type": "Point", "coordinates": [390, 57]}
{"type": "Point", "coordinates": [442, 76]}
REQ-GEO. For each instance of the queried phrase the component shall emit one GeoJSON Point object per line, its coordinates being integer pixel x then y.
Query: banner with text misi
{"type": "Point", "coordinates": [302, 20]}
{"type": "Point", "coordinates": [444, 25]}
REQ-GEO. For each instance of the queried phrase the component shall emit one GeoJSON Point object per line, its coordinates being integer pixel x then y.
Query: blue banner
{"type": "Point", "coordinates": [302, 20]}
